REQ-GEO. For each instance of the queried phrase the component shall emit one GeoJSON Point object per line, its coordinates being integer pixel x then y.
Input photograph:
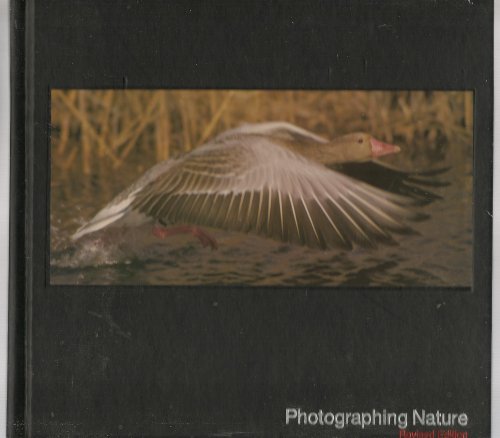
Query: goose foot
{"type": "Point", "coordinates": [204, 238]}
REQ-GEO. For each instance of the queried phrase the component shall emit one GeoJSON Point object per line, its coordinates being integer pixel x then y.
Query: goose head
{"type": "Point", "coordinates": [356, 147]}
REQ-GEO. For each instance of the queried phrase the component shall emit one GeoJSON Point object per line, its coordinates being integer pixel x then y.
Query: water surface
{"type": "Point", "coordinates": [439, 255]}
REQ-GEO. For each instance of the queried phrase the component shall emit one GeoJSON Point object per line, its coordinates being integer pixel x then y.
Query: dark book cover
{"type": "Point", "coordinates": [258, 218]}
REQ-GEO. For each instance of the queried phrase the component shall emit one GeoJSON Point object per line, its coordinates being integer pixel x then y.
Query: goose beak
{"type": "Point", "coordinates": [380, 148]}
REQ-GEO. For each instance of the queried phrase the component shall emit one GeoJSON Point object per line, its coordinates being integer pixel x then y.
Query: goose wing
{"type": "Point", "coordinates": [417, 185]}
{"type": "Point", "coordinates": [252, 183]}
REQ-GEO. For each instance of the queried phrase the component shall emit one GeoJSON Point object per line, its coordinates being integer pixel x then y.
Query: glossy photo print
{"type": "Point", "coordinates": [261, 188]}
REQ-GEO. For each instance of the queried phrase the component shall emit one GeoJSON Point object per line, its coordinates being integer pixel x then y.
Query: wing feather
{"type": "Point", "coordinates": [254, 184]}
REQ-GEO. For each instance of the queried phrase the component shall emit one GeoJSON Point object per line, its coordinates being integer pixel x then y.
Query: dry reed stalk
{"type": "Point", "coordinates": [225, 119]}
{"type": "Point", "coordinates": [145, 120]}
{"type": "Point", "coordinates": [133, 102]}
{"type": "Point", "coordinates": [212, 99]}
{"type": "Point", "coordinates": [83, 119]}
{"type": "Point", "coordinates": [407, 113]}
{"type": "Point", "coordinates": [107, 100]}
{"type": "Point", "coordinates": [256, 100]}
{"type": "Point", "coordinates": [162, 130]}
{"type": "Point", "coordinates": [68, 163]}
{"type": "Point", "coordinates": [469, 104]}
{"type": "Point", "coordinates": [193, 119]}
{"type": "Point", "coordinates": [182, 102]}
{"type": "Point", "coordinates": [128, 131]}
{"type": "Point", "coordinates": [127, 116]}
{"type": "Point", "coordinates": [65, 123]}
{"type": "Point", "coordinates": [86, 146]}
{"type": "Point", "coordinates": [215, 118]}
{"type": "Point", "coordinates": [290, 105]}
{"type": "Point", "coordinates": [372, 108]}
{"type": "Point", "coordinates": [64, 135]}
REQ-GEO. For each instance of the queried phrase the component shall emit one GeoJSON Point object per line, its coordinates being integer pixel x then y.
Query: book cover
{"type": "Point", "coordinates": [251, 219]}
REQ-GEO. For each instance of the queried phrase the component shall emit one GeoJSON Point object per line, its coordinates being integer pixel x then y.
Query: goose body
{"type": "Point", "coordinates": [271, 179]}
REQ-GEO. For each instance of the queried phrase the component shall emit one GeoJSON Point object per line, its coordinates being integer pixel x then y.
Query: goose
{"type": "Point", "coordinates": [276, 180]}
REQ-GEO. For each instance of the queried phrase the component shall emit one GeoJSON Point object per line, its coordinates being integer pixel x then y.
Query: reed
{"type": "Point", "coordinates": [105, 129]}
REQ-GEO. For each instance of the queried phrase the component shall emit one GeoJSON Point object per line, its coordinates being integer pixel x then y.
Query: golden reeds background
{"type": "Point", "coordinates": [96, 129]}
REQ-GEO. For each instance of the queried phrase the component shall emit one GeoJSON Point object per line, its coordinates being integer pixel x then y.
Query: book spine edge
{"type": "Point", "coordinates": [16, 384]}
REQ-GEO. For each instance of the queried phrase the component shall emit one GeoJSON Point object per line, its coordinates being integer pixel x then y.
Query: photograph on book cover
{"type": "Point", "coordinates": [258, 187]}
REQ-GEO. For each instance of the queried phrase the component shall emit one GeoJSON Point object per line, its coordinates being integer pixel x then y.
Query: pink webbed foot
{"type": "Point", "coordinates": [204, 238]}
{"type": "Point", "coordinates": [160, 232]}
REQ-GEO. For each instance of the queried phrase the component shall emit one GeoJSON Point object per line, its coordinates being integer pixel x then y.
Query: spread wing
{"type": "Point", "coordinates": [417, 185]}
{"type": "Point", "coordinates": [251, 183]}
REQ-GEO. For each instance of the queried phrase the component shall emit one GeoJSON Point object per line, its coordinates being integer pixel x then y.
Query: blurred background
{"type": "Point", "coordinates": [92, 129]}
{"type": "Point", "coordinates": [102, 140]}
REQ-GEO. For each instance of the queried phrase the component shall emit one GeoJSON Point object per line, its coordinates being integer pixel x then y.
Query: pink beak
{"type": "Point", "coordinates": [380, 148]}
